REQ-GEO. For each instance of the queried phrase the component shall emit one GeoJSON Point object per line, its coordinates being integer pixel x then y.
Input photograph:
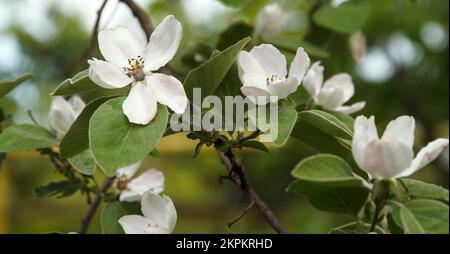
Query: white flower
{"type": "Point", "coordinates": [269, 22]}
{"type": "Point", "coordinates": [358, 45]}
{"type": "Point", "coordinates": [160, 216]}
{"type": "Point", "coordinates": [130, 62]}
{"type": "Point", "coordinates": [263, 73]}
{"type": "Point", "coordinates": [392, 155]}
{"type": "Point", "coordinates": [63, 113]}
{"type": "Point", "coordinates": [131, 190]}
{"type": "Point", "coordinates": [332, 93]}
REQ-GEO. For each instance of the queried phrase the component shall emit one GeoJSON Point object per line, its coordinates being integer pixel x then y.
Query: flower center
{"type": "Point", "coordinates": [135, 68]}
{"type": "Point", "coordinates": [272, 79]}
{"type": "Point", "coordinates": [122, 183]}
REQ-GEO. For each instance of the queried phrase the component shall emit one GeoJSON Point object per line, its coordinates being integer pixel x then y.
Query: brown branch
{"type": "Point", "coordinates": [95, 204]}
{"type": "Point", "coordinates": [238, 177]}
{"type": "Point", "coordinates": [141, 16]}
{"type": "Point", "coordinates": [93, 42]}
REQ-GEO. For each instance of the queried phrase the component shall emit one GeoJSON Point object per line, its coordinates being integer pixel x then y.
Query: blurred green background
{"type": "Point", "coordinates": [404, 71]}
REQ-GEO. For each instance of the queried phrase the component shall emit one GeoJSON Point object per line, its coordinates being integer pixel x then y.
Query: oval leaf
{"type": "Point", "coordinates": [83, 162]}
{"type": "Point", "coordinates": [326, 123]}
{"type": "Point", "coordinates": [421, 216]}
{"type": "Point", "coordinates": [7, 86]}
{"type": "Point", "coordinates": [79, 83]}
{"type": "Point", "coordinates": [418, 189]}
{"type": "Point", "coordinates": [326, 169]}
{"type": "Point", "coordinates": [346, 18]}
{"type": "Point", "coordinates": [116, 143]}
{"type": "Point", "coordinates": [25, 137]}
{"type": "Point", "coordinates": [210, 74]}
{"type": "Point", "coordinates": [113, 211]}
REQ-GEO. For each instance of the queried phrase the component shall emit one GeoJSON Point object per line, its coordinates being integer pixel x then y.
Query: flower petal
{"type": "Point", "coordinates": [270, 21]}
{"type": "Point", "coordinates": [61, 115]}
{"type": "Point", "coordinates": [136, 224]}
{"type": "Point", "coordinates": [365, 132]}
{"type": "Point", "coordinates": [169, 91]}
{"type": "Point", "coordinates": [330, 97]}
{"type": "Point", "coordinates": [77, 105]}
{"type": "Point", "coordinates": [159, 210]}
{"type": "Point", "coordinates": [426, 155]}
{"type": "Point", "coordinates": [299, 65]}
{"type": "Point", "coordinates": [256, 95]}
{"type": "Point", "coordinates": [250, 72]}
{"type": "Point", "coordinates": [151, 180]}
{"type": "Point", "coordinates": [342, 81]}
{"type": "Point", "coordinates": [355, 107]}
{"type": "Point", "coordinates": [129, 196]}
{"type": "Point", "coordinates": [386, 159]}
{"type": "Point", "coordinates": [402, 130]}
{"type": "Point", "coordinates": [163, 44]}
{"type": "Point", "coordinates": [313, 79]}
{"type": "Point", "coordinates": [140, 106]}
{"type": "Point", "coordinates": [270, 59]}
{"type": "Point", "coordinates": [128, 171]}
{"type": "Point", "coordinates": [283, 89]}
{"type": "Point", "coordinates": [118, 45]}
{"type": "Point", "coordinates": [107, 75]}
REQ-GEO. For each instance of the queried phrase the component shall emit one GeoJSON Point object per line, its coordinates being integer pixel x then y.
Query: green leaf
{"type": "Point", "coordinates": [255, 145]}
{"type": "Point", "coordinates": [326, 169]}
{"type": "Point", "coordinates": [7, 86]}
{"type": "Point", "coordinates": [25, 137]}
{"type": "Point", "coordinates": [57, 189]}
{"type": "Point", "coordinates": [421, 216]}
{"type": "Point", "coordinates": [113, 211]}
{"type": "Point", "coordinates": [234, 3]}
{"type": "Point", "coordinates": [76, 140]}
{"type": "Point", "coordinates": [115, 142]}
{"type": "Point", "coordinates": [155, 153]}
{"type": "Point", "coordinates": [421, 190]}
{"type": "Point", "coordinates": [233, 34]}
{"type": "Point", "coordinates": [343, 200]}
{"type": "Point", "coordinates": [346, 18]}
{"type": "Point", "coordinates": [326, 123]}
{"type": "Point", "coordinates": [210, 74]}
{"type": "Point", "coordinates": [287, 117]}
{"type": "Point", "coordinates": [83, 162]}
{"type": "Point", "coordinates": [80, 83]}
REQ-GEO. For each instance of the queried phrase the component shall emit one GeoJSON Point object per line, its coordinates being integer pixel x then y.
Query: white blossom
{"type": "Point", "coordinates": [391, 156]}
{"type": "Point", "coordinates": [63, 113]}
{"type": "Point", "coordinates": [333, 93]}
{"type": "Point", "coordinates": [264, 74]}
{"type": "Point", "coordinates": [130, 62]}
{"type": "Point", "coordinates": [269, 22]}
{"type": "Point", "coordinates": [160, 216]}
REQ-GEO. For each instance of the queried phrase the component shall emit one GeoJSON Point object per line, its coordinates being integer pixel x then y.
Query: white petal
{"type": "Point", "coordinates": [386, 159]}
{"type": "Point", "coordinates": [426, 155]}
{"type": "Point", "coordinates": [342, 81]}
{"type": "Point", "coordinates": [163, 44]}
{"type": "Point", "coordinates": [160, 210]}
{"type": "Point", "coordinates": [299, 65]}
{"type": "Point", "coordinates": [351, 109]}
{"type": "Point", "coordinates": [61, 115]}
{"type": "Point", "coordinates": [77, 105]}
{"type": "Point", "coordinates": [270, 59]}
{"type": "Point", "coordinates": [250, 72]}
{"type": "Point", "coordinates": [330, 97]}
{"type": "Point", "coordinates": [107, 75]}
{"type": "Point", "coordinates": [284, 88]}
{"type": "Point", "coordinates": [136, 224]}
{"type": "Point", "coordinates": [140, 106]}
{"type": "Point", "coordinates": [270, 21]}
{"type": "Point", "coordinates": [313, 79]}
{"type": "Point", "coordinates": [256, 95]}
{"type": "Point", "coordinates": [129, 196]}
{"type": "Point", "coordinates": [118, 45]}
{"type": "Point", "coordinates": [169, 91]}
{"type": "Point", "coordinates": [365, 132]}
{"type": "Point", "coordinates": [128, 171]}
{"type": "Point", "coordinates": [402, 130]}
{"type": "Point", "coordinates": [151, 180]}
